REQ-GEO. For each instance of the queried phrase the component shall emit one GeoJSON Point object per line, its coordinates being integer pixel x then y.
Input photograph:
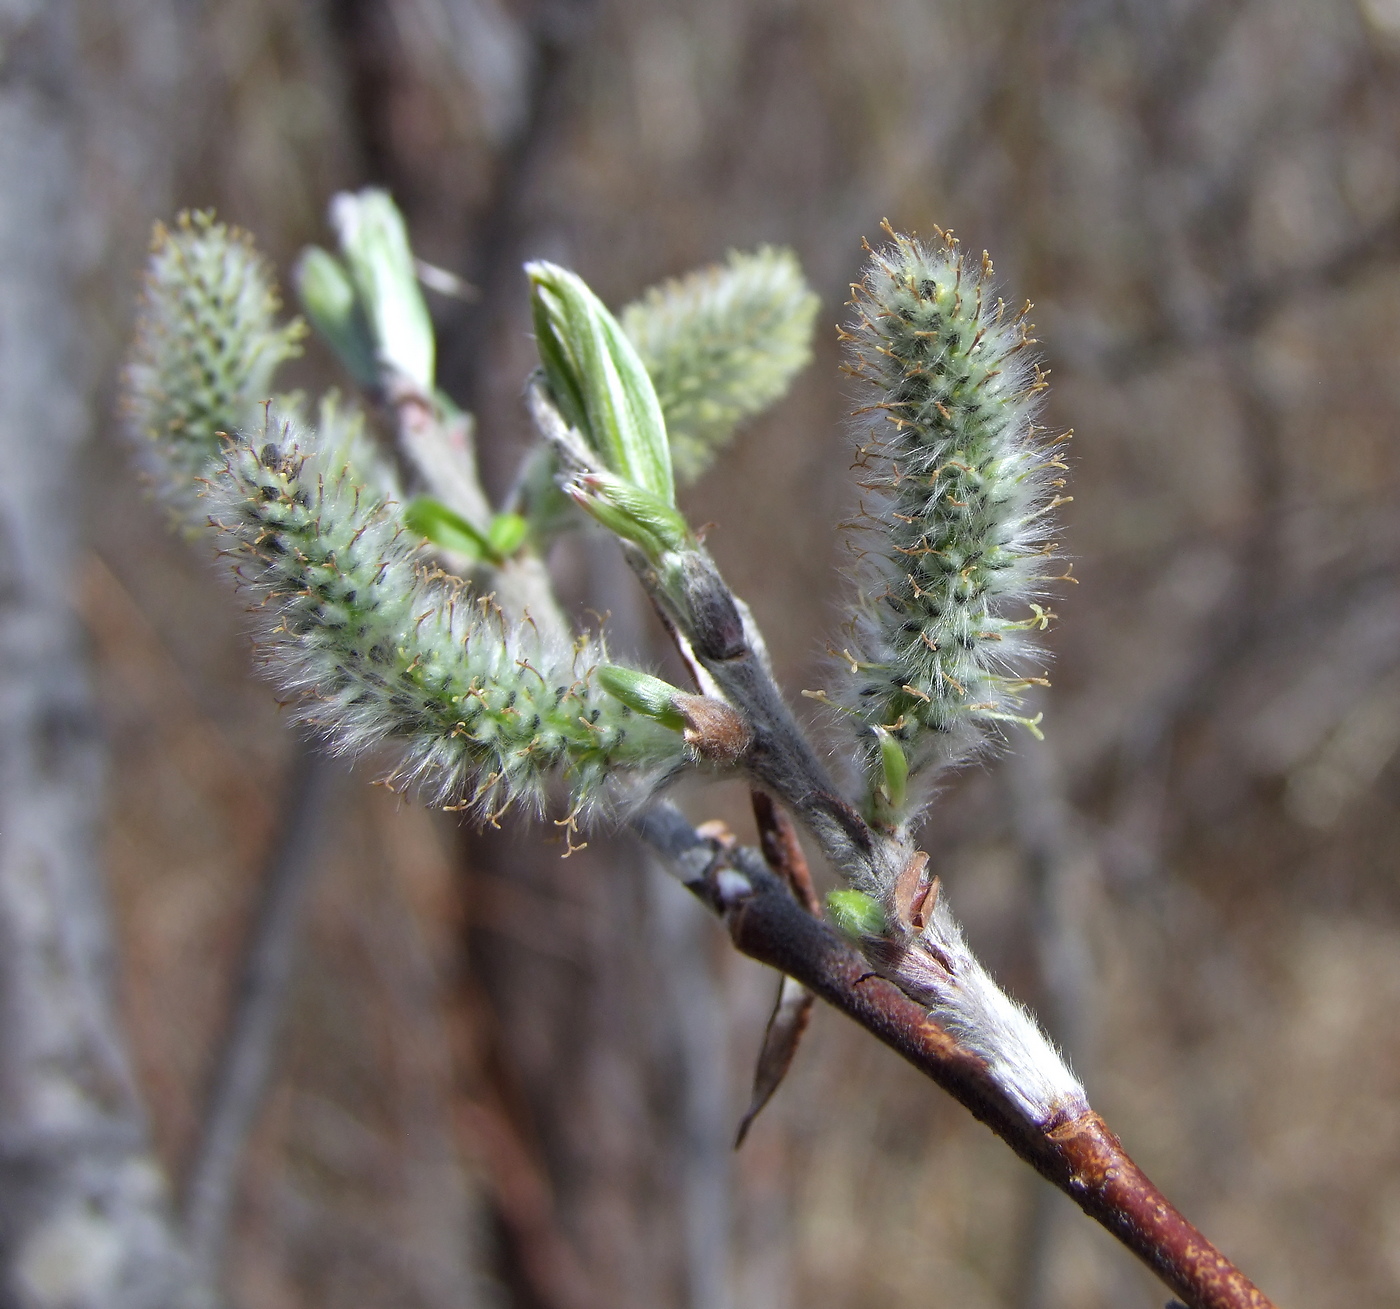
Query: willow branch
{"type": "Point", "coordinates": [716, 635]}
{"type": "Point", "coordinates": [245, 1063]}
{"type": "Point", "coordinates": [1078, 1154]}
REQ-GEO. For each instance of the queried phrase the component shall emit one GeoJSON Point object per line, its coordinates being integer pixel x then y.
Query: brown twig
{"type": "Point", "coordinates": [1080, 1155]}
{"type": "Point", "coordinates": [246, 1060]}
{"type": "Point", "coordinates": [777, 838]}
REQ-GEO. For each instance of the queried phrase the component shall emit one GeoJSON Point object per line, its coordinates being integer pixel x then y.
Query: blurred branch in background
{"type": "Point", "coordinates": [244, 1067]}
{"type": "Point", "coordinates": [84, 1218]}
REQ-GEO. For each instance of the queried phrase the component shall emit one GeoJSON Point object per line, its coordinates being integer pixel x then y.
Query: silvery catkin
{"type": "Point", "coordinates": [953, 531]}
{"type": "Point", "coordinates": [376, 647]}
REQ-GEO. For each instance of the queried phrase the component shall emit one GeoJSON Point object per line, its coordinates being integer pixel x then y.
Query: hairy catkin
{"type": "Point", "coordinates": [207, 345]}
{"type": "Point", "coordinates": [377, 648]}
{"type": "Point", "coordinates": [953, 531]}
{"type": "Point", "coordinates": [722, 344]}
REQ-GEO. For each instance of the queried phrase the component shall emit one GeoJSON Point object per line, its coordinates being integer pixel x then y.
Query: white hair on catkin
{"type": "Point", "coordinates": [953, 531]}
{"type": "Point", "coordinates": [376, 647]}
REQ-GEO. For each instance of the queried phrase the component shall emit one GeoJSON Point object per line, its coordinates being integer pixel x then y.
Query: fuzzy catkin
{"type": "Point", "coordinates": [722, 344]}
{"type": "Point", "coordinates": [207, 345]}
{"type": "Point", "coordinates": [953, 531]}
{"type": "Point", "coordinates": [377, 648]}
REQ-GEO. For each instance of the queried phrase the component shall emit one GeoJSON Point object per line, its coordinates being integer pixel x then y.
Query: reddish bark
{"type": "Point", "coordinates": [1080, 1156]}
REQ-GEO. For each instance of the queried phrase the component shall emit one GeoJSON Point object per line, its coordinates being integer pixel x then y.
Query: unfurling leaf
{"type": "Point", "coordinates": [443, 526]}
{"type": "Point", "coordinates": [375, 247]}
{"type": "Point", "coordinates": [632, 513]}
{"type": "Point", "coordinates": [329, 301]}
{"type": "Point", "coordinates": [598, 381]}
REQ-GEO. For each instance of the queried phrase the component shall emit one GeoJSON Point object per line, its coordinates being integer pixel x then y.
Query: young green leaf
{"type": "Point", "coordinates": [375, 246]}
{"type": "Point", "coordinates": [443, 526]}
{"type": "Point", "coordinates": [507, 534]}
{"type": "Point", "coordinates": [329, 300]}
{"type": "Point", "coordinates": [598, 381]}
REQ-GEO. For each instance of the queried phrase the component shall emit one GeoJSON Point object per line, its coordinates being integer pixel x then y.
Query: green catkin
{"type": "Point", "coordinates": [722, 344]}
{"type": "Point", "coordinates": [207, 345]}
{"type": "Point", "coordinates": [376, 648]}
{"type": "Point", "coordinates": [953, 530]}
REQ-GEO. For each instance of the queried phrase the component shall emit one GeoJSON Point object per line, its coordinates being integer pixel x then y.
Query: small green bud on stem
{"type": "Point", "coordinates": [444, 526]}
{"type": "Point", "coordinates": [643, 693]}
{"type": "Point", "coordinates": [714, 730]}
{"type": "Point", "coordinates": [632, 513]}
{"type": "Point", "coordinates": [855, 913]}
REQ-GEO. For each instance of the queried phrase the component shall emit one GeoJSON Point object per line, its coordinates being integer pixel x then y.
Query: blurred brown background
{"type": "Point", "coordinates": [511, 1081]}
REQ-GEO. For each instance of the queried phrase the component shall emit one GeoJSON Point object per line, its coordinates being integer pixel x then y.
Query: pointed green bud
{"type": "Point", "coordinates": [855, 913]}
{"type": "Point", "coordinates": [632, 513]}
{"type": "Point", "coordinates": [894, 763]}
{"type": "Point", "coordinates": [443, 526]}
{"type": "Point", "coordinates": [375, 246]}
{"type": "Point", "coordinates": [328, 299]}
{"type": "Point", "coordinates": [598, 380]}
{"type": "Point", "coordinates": [643, 693]}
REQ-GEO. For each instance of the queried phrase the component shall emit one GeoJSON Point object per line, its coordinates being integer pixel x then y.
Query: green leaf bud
{"type": "Point", "coordinates": [856, 914]}
{"type": "Point", "coordinates": [444, 526]}
{"type": "Point", "coordinates": [598, 381]}
{"type": "Point", "coordinates": [329, 301]}
{"type": "Point", "coordinates": [507, 534]}
{"type": "Point", "coordinates": [646, 694]}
